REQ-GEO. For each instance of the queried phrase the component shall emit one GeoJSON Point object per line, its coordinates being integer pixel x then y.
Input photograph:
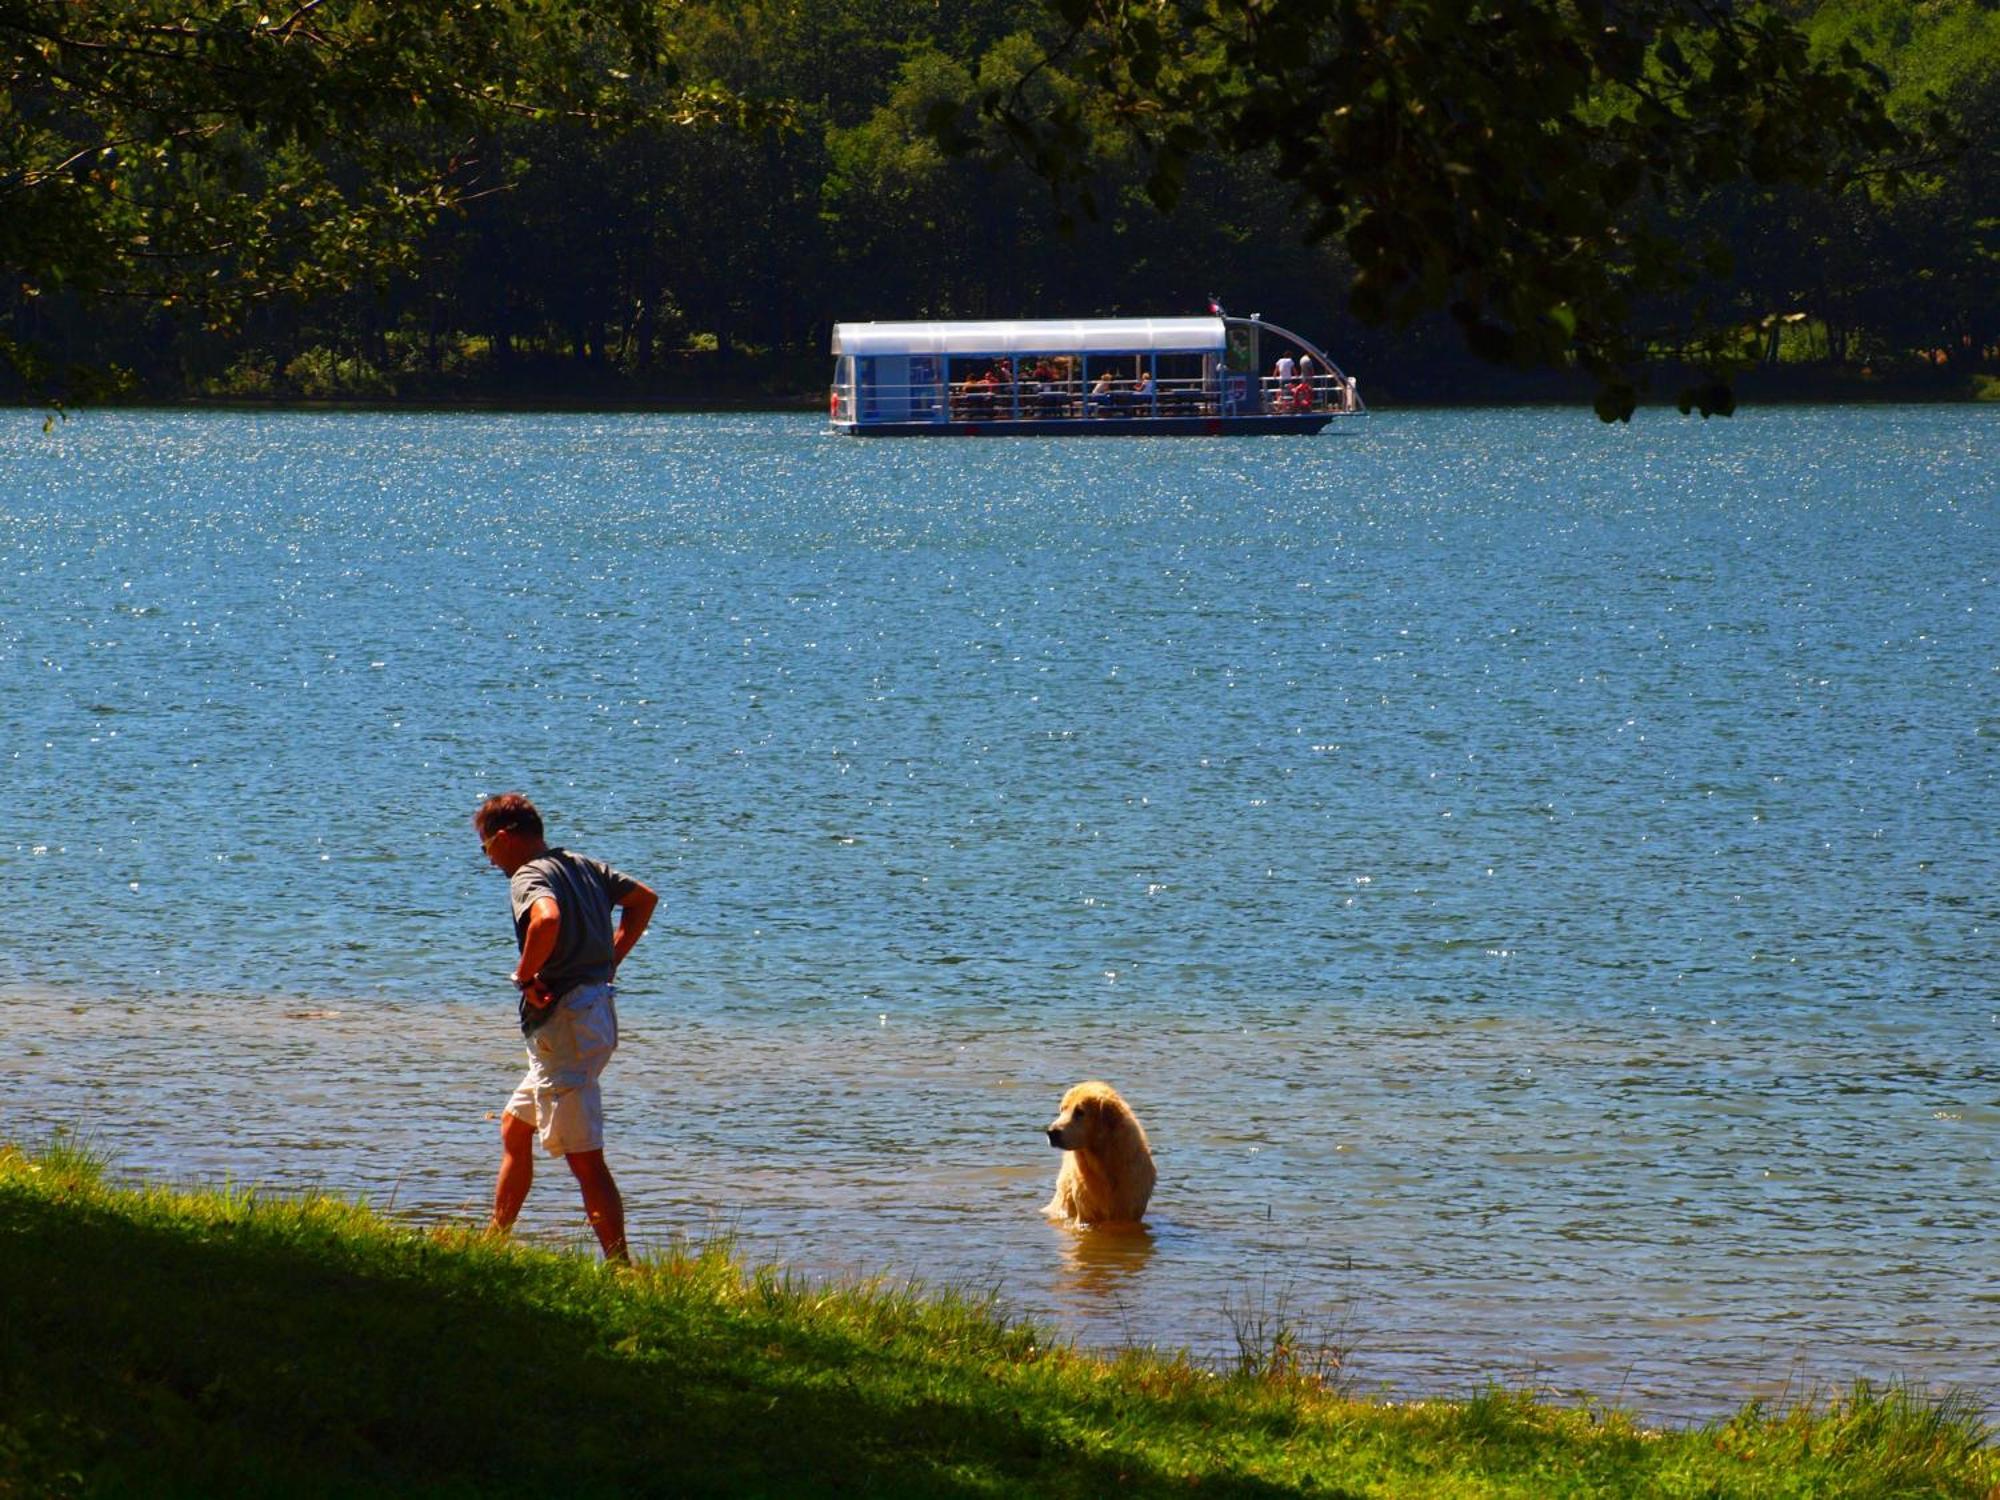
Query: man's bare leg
{"type": "Point", "coordinates": [517, 1172]}
{"type": "Point", "coordinates": [601, 1201]}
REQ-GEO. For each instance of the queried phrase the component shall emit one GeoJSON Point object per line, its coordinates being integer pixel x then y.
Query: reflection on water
{"type": "Point", "coordinates": [1105, 1264]}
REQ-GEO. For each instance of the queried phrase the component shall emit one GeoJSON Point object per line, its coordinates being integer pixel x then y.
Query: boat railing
{"type": "Point", "coordinates": [1038, 400]}
{"type": "Point", "coordinates": [983, 400]}
{"type": "Point", "coordinates": [1320, 392]}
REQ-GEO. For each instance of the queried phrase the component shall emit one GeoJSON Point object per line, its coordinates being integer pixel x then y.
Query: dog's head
{"type": "Point", "coordinates": [1088, 1114]}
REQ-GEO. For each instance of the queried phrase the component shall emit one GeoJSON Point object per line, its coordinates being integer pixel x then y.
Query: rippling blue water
{"type": "Point", "coordinates": [1537, 881]}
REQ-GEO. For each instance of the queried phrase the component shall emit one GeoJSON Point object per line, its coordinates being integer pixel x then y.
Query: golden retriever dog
{"type": "Point", "coordinates": [1107, 1167]}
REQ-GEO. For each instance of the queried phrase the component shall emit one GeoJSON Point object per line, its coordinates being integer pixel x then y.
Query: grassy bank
{"type": "Point", "coordinates": [173, 1342]}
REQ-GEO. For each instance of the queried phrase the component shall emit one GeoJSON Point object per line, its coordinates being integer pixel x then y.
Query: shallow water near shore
{"type": "Point", "coordinates": [1537, 882]}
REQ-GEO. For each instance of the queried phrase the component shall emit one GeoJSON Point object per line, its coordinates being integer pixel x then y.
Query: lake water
{"type": "Point", "coordinates": [1536, 881]}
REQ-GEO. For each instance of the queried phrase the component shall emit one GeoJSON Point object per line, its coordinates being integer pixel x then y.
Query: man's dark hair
{"type": "Point", "coordinates": [507, 810]}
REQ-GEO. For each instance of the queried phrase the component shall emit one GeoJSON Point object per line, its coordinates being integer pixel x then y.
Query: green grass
{"type": "Point", "coordinates": [165, 1342]}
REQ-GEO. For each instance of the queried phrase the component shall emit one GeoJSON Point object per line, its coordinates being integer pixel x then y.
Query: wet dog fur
{"type": "Point", "coordinates": [1107, 1168]}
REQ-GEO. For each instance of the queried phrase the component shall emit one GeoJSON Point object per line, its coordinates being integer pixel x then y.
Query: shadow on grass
{"type": "Point", "coordinates": [166, 1358]}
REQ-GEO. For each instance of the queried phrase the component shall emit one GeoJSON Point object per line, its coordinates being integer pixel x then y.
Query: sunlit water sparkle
{"type": "Point", "coordinates": [1536, 881]}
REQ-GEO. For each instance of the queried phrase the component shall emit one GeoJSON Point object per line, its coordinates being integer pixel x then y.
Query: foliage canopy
{"type": "Point", "coordinates": [215, 153]}
{"type": "Point", "coordinates": [1515, 164]}
{"type": "Point", "coordinates": [530, 199]}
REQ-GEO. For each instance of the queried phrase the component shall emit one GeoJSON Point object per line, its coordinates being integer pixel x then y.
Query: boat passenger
{"type": "Point", "coordinates": [984, 394]}
{"type": "Point", "coordinates": [1046, 388]}
{"type": "Point", "coordinates": [1102, 393]}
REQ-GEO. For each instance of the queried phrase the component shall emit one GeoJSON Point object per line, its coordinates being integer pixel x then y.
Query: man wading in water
{"type": "Point", "coordinates": [569, 953]}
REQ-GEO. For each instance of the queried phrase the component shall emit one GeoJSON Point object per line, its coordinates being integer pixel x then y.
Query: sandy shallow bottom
{"type": "Point", "coordinates": [881, 1147]}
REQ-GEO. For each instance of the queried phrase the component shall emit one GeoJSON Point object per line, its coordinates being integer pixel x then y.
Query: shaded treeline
{"type": "Point", "coordinates": [665, 263]}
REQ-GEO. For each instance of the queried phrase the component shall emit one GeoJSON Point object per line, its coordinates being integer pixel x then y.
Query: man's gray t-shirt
{"type": "Point", "coordinates": [584, 890]}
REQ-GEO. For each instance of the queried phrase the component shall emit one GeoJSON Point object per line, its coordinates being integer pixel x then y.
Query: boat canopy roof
{"type": "Point", "coordinates": [1034, 336]}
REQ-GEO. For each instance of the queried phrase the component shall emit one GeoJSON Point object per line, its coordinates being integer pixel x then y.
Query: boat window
{"type": "Point", "coordinates": [924, 400]}
{"type": "Point", "coordinates": [1243, 354]}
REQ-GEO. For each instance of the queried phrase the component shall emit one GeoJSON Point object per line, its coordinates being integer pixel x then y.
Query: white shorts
{"type": "Point", "coordinates": [558, 1095]}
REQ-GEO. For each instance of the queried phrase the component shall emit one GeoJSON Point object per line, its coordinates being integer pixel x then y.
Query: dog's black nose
{"type": "Point", "coordinates": [1054, 1139]}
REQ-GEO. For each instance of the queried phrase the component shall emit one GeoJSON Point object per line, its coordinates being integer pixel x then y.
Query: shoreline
{"type": "Point", "coordinates": [1764, 387]}
{"type": "Point", "coordinates": [201, 1337]}
{"type": "Point", "coordinates": [420, 1141]}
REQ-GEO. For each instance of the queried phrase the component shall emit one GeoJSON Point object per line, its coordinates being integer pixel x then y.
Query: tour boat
{"type": "Point", "coordinates": [1085, 377]}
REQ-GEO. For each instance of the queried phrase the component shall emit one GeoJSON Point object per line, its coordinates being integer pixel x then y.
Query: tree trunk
{"type": "Point", "coordinates": [641, 335]}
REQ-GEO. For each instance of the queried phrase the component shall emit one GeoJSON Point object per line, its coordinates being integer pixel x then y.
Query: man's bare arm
{"type": "Point", "coordinates": [635, 910]}
{"type": "Point", "coordinates": [544, 923]}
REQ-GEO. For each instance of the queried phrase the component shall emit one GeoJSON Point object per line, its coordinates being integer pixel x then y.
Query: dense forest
{"type": "Point", "coordinates": [668, 242]}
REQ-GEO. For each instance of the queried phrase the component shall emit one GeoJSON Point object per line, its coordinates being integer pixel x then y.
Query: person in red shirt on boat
{"type": "Point", "coordinates": [979, 393]}
{"type": "Point", "coordinates": [1043, 389]}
